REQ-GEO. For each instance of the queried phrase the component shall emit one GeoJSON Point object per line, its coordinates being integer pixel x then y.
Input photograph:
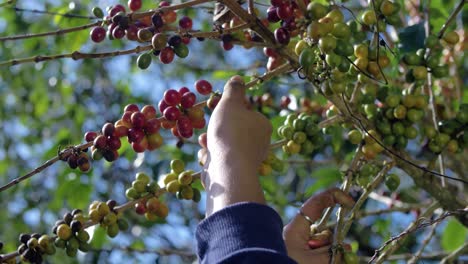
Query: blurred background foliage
{"type": "Point", "coordinates": [48, 106]}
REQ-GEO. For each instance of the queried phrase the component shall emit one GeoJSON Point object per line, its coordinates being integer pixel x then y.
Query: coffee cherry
{"type": "Point", "coordinates": [177, 166]}
{"type": "Point", "coordinates": [185, 23]}
{"type": "Point", "coordinates": [135, 135]}
{"type": "Point", "coordinates": [157, 21]}
{"type": "Point", "coordinates": [203, 87]}
{"type": "Point", "coordinates": [97, 12]}
{"type": "Point", "coordinates": [122, 224]}
{"type": "Point", "coordinates": [451, 37]}
{"type": "Point", "coordinates": [140, 208]}
{"type": "Point", "coordinates": [64, 232]}
{"type": "Point", "coordinates": [132, 194]}
{"type": "Point", "coordinates": [159, 41]}
{"type": "Point", "coordinates": [152, 126]}
{"type": "Point", "coordinates": [172, 113]}
{"type": "Point", "coordinates": [149, 111]}
{"type": "Point", "coordinates": [98, 34]}
{"type": "Point", "coordinates": [144, 61]}
{"type": "Point", "coordinates": [172, 97]}
{"type": "Point", "coordinates": [134, 5]}
{"type": "Point", "coordinates": [392, 181]}
{"type": "Point", "coordinates": [188, 100]}
{"type": "Point", "coordinates": [113, 230]}
{"type": "Point", "coordinates": [282, 35]}
{"type": "Point", "coordinates": [272, 14]}
{"type": "Point", "coordinates": [154, 141]}
{"type": "Point", "coordinates": [167, 55]}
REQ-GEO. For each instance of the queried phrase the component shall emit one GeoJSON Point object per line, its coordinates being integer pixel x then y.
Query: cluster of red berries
{"type": "Point", "coordinates": [78, 159]}
{"type": "Point", "coordinates": [286, 12]}
{"type": "Point", "coordinates": [179, 111]}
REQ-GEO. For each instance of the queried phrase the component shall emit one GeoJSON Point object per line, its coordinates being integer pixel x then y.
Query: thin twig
{"type": "Point", "coordinates": [63, 154]}
{"type": "Point", "coordinates": [451, 18]}
{"type": "Point", "coordinates": [52, 33]}
{"type": "Point", "coordinates": [77, 55]}
{"type": "Point", "coordinates": [393, 243]}
{"type": "Point", "coordinates": [18, 9]}
{"type": "Point", "coordinates": [137, 15]}
{"type": "Point", "coordinates": [424, 243]}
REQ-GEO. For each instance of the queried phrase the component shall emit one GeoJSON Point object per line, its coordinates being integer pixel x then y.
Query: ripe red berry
{"type": "Point", "coordinates": [188, 100]}
{"type": "Point", "coordinates": [282, 35]}
{"type": "Point", "coordinates": [269, 52]}
{"type": "Point", "coordinates": [100, 142]}
{"type": "Point", "coordinates": [186, 23]}
{"type": "Point", "coordinates": [172, 97]}
{"type": "Point", "coordinates": [108, 129]}
{"type": "Point", "coordinates": [90, 136]}
{"type": "Point", "coordinates": [73, 161]}
{"type": "Point", "coordinates": [175, 132]}
{"type": "Point", "coordinates": [149, 111]}
{"type": "Point", "coordinates": [186, 40]}
{"type": "Point", "coordinates": [162, 106]}
{"type": "Point", "coordinates": [135, 135]}
{"type": "Point", "coordinates": [140, 208]}
{"type": "Point", "coordinates": [167, 55]}
{"type": "Point", "coordinates": [285, 11]}
{"type": "Point", "coordinates": [186, 133]}
{"type": "Point", "coordinates": [203, 87]}
{"type": "Point", "coordinates": [140, 146]}
{"type": "Point", "coordinates": [183, 124]}
{"type": "Point", "coordinates": [272, 14]}
{"type": "Point", "coordinates": [164, 3]}
{"type": "Point", "coordinates": [110, 155]}
{"type": "Point", "coordinates": [172, 113]}
{"type": "Point", "coordinates": [152, 126]}
{"type": "Point", "coordinates": [183, 90]}
{"type": "Point", "coordinates": [227, 45]}
{"type": "Point", "coordinates": [132, 32]}
{"type": "Point", "coordinates": [118, 32]}
{"type": "Point", "coordinates": [134, 5]}
{"type": "Point", "coordinates": [285, 101]}
{"type": "Point", "coordinates": [131, 108]}
{"type": "Point", "coordinates": [114, 143]}
{"type": "Point", "coordinates": [116, 9]}
{"type": "Point", "coordinates": [138, 119]}
{"type": "Point", "coordinates": [98, 34]}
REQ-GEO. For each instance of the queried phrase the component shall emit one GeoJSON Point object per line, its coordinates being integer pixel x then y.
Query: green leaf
{"type": "Point", "coordinates": [455, 234]}
{"type": "Point", "coordinates": [326, 177]}
{"type": "Point", "coordinates": [412, 37]}
{"type": "Point", "coordinates": [99, 237]}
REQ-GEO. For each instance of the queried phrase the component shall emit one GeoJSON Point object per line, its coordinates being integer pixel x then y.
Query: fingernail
{"type": "Point", "coordinates": [344, 198]}
{"type": "Point", "coordinates": [237, 79]}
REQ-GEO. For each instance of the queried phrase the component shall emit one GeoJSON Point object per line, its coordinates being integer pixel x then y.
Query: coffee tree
{"type": "Point", "coordinates": [104, 106]}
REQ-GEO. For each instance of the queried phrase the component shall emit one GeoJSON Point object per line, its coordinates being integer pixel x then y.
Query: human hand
{"type": "Point", "coordinates": [296, 233]}
{"type": "Point", "coordinates": [237, 142]}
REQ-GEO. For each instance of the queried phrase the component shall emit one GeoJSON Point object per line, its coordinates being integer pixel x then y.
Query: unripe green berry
{"type": "Point", "coordinates": [185, 178]}
{"type": "Point", "coordinates": [143, 177]}
{"type": "Point", "coordinates": [177, 166]}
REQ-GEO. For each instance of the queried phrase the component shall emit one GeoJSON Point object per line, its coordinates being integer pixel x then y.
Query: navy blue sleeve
{"type": "Point", "coordinates": [242, 233]}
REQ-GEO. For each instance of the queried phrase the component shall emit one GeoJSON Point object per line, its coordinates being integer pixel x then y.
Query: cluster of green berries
{"type": "Point", "coordinates": [141, 186]}
{"type": "Point", "coordinates": [452, 135]}
{"type": "Point", "coordinates": [105, 214]}
{"type": "Point", "coordinates": [71, 234]}
{"type": "Point", "coordinates": [300, 131]}
{"type": "Point", "coordinates": [179, 181]}
{"type": "Point", "coordinates": [272, 163]}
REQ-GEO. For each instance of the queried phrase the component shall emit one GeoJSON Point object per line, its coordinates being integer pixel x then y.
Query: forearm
{"type": "Point", "coordinates": [231, 181]}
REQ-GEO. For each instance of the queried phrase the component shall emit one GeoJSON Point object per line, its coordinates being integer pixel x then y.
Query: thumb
{"type": "Point", "coordinates": [299, 227]}
{"type": "Point", "coordinates": [234, 90]}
